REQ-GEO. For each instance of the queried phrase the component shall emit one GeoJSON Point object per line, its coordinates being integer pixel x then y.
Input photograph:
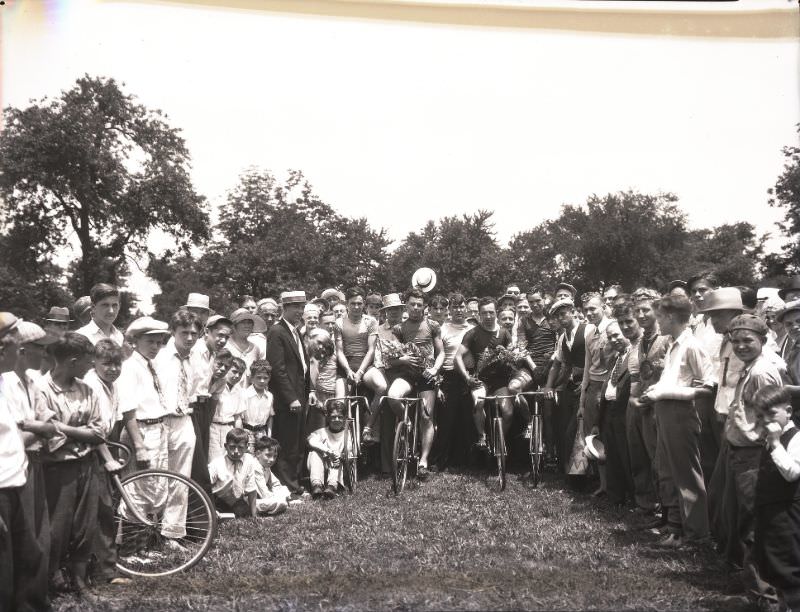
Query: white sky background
{"type": "Point", "coordinates": [404, 122]}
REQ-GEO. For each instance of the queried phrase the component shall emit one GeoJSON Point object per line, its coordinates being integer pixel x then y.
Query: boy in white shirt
{"type": "Point", "coordinates": [233, 479]}
{"type": "Point", "coordinates": [257, 410]}
{"type": "Point", "coordinates": [229, 405]}
{"type": "Point", "coordinates": [325, 457]}
{"type": "Point", "coordinates": [272, 495]}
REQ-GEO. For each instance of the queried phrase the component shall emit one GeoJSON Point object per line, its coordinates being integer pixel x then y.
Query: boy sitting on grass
{"type": "Point", "coordinates": [233, 477]}
{"type": "Point", "coordinates": [325, 457]}
{"type": "Point", "coordinates": [272, 495]}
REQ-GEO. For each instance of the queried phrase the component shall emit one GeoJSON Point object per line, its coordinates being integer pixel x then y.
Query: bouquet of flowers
{"type": "Point", "coordinates": [500, 358]}
{"type": "Point", "coordinates": [394, 349]}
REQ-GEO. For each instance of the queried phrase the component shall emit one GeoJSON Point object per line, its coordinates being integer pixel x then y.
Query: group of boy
{"type": "Point", "coordinates": [666, 382]}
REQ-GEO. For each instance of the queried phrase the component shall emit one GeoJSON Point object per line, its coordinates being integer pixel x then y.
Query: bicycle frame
{"type": "Point", "coordinates": [118, 484]}
{"type": "Point", "coordinates": [494, 414]}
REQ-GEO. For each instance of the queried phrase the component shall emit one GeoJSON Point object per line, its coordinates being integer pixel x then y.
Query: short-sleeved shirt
{"type": "Point", "coordinates": [422, 335]}
{"type": "Point", "coordinates": [540, 340]}
{"type": "Point", "coordinates": [75, 405]}
{"type": "Point", "coordinates": [355, 336]}
{"type": "Point", "coordinates": [257, 407]}
{"type": "Point", "coordinates": [743, 426]}
{"type": "Point", "coordinates": [137, 389]}
{"type": "Point", "coordinates": [384, 337]}
{"type": "Point", "coordinates": [476, 341]}
{"type": "Point", "coordinates": [24, 402]}
{"type": "Point", "coordinates": [232, 480]}
{"type": "Point", "coordinates": [326, 370]}
{"type": "Point", "coordinates": [229, 404]}
{"type": "Point", "coordinates": [92, 331]}
{"type": "Point", "coordinates": [452, 335]}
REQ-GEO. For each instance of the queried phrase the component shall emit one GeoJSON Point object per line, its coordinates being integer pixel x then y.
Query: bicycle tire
{"type": "Point", "coordinates": [535, 449]}
{"type": "Point", "coordinates": [350, 458]}
{"type": "Point", "coordinates": [141, 547]}
{"type": "Point", "coordinates": [400, 457]}
{"type": "Point", "coordinates": [500, 453]}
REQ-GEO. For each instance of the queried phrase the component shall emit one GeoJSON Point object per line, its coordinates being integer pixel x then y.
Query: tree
{"type": "Point", "coordinates": [733, 251]}
{"type": "Point", "coordinates": [786, 195]}
{"type": "Point", "coordinates": [94, 167]}
{"type": "Point", "coordinates": [463, 251]}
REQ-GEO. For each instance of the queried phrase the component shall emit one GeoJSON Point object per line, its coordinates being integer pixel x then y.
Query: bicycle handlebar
{"type": "Point", "coordinates": [124, 448]}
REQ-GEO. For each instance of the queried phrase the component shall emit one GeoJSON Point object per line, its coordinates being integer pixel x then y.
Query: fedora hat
{"type": "Point", "coordinates": [595, 449]}
{"type": "Point", "coordinates": [724, 298]}
{"type": "Point", "coordinates": [197, 300]}
{"type": "Point", "coordinates": [59, 314]}
{"type": "Point", "coordinates": [424, 279]}
{"type": "Point", "coordinates": [792, 285]}
{"type": "Point", "coordinates": [391, 300]}
{"type": "Point", "coordinates": [242, 314]}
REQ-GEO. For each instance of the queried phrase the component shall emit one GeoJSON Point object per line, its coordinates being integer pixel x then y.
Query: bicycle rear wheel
{"type": "Point", "coordinates": [500, 452]}
{"type": "Point", "coordinates": [350, 457]}
{"type": "Point", "coordinates": [536, 449]}
{"type": "Point", "coordinates": [172, 539]}
{"type": "Point", "coordinates": [400, 455]}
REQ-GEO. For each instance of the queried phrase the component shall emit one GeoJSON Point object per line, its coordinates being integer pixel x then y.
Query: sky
{"type": "Point", "coordinates": [403, 120]}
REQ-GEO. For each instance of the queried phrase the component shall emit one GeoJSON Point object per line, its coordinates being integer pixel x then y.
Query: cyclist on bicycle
{"type": "Point", "coordinates": [488, 334]}
{"type": "Point", "coordinates": [415, 373]}
{"type": "Point", "coordinates": [355, 348]}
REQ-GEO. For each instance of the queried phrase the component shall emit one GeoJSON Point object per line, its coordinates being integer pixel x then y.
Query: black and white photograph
{"type": "Point", "coordinates": [399, 305]}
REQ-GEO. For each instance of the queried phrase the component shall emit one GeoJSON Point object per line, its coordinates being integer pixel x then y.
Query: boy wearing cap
{"type": "Point", "coordinates": [745, 436]}
{"type": "Point", "coordinates": [19, 590]}
{"type": "Point", "coordinates": [175, 373]}
{"type": "Point", "coordinates": [289, 386]}
{"type": "Point", "coordinates": [70, 474]}
{"type": "Point", "coordinates": [105, 309]}
{"type": "Point", "coordinates": [688, 373]}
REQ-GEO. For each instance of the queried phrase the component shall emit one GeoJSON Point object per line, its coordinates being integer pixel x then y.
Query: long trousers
{"type": "Point", "coordinates": [642, 442]}
{"type": "Point", "coordinates": [619, 481]}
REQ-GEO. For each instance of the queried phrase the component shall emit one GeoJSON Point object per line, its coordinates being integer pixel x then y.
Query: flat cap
{"type": "Point", "coordinates": [147, 325]}
{"type": "Point", "coordinates": [749, 322]}
{"type": "Point", "coordinates": [32, 333]}
{"type": "Point", "coordinates": [7, 322]}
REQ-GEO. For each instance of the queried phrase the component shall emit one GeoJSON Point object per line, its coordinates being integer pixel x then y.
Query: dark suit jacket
{"type": "Point", "coordinates": [288, 382]}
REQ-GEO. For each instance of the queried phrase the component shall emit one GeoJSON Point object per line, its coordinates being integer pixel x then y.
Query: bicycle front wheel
{"type": "Point", "coordinates": [500, 453]}
{"type": "Point", "coordinates": [350, 457]}
{"type": "Point", "coordinates": [536, 450]}
{"type": "Point", "coordinates": [165, 521]}
{"type": "Point", "coordinates": [400, 456]}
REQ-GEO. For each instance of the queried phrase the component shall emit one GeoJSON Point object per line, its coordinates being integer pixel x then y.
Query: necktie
{"type": "Point", "coordinates": [299, 347]}
{"type": "Point", "coordinates": [615, 370]}
{"type": "Point", "coordinates": [156, 384]}
{"type": "Point", "coordinates": [238, 491]}
{"type": "Point", "coordinates": [183, 386]}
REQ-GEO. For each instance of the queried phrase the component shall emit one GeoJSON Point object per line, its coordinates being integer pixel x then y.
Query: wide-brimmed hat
{"type": "Point", "coordinates": [147, 326]}
{"type": "Point", "coordinates": [568, 287]}
{"type": "Point", "coordinates": [789, 307]}
{"type": "Point", "coordinates": [424, 279]}
{"type": "Point", "coordinates": [329, 293]}
{"type": "Point", "coordinates": [30, 333]}
{"type": "Point", "coordinates": [242, 314]}
{"type": "Point", "coordinates": [391, 300]}
{"type": "Point", "coordinates": [724, 298]}
{"type": "Point", "coordinates": [560, 304]}
{"type": "Point", "coordinates": [595, 449]}
{"type": "Point", "coordinates": [8, 322]}
{"type": "Point", "coordinates": [197, 300]}
{"type": "Point", "coordinates": [82, 305]}
{"type": "Point", "coordinates": [59, 314]}
{"type": "Point", "coordinates": [792, 285]}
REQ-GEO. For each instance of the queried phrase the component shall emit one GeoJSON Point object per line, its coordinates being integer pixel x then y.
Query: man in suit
{"type": "Point", "coordinates": [289, 386]}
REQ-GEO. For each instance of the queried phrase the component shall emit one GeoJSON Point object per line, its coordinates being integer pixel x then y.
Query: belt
{"type": "Point", "coordinates": [224, 422]}
{"type": "Point", "coordinates": [254, 427]}
{"type": "Point", "coordinates": [151, 421]}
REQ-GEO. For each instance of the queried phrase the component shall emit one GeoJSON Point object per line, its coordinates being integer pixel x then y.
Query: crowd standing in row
{"type": "Point", "coordinates": [689, 391]}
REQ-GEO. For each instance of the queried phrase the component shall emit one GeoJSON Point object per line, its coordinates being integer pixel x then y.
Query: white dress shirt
{"type": "Point", "coordinates": [13, 460]}
{"type": "Point", "coordinates": [95, 334]}
{"type": "Point", "coordinates": [137, 390]}
{"type": "Point", "coordinates": [170, 366]}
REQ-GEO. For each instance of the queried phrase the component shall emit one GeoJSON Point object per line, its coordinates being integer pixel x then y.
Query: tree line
{"type": "Point", "coordinates": [96, 170]}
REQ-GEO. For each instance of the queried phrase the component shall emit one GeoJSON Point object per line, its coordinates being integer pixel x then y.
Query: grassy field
{"type": "Point", "coordinates": [449, 543]}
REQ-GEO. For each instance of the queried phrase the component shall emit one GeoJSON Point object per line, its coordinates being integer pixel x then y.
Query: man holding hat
{"type": "Point", "coordinates": [105, 310]}
{"type": "Point", "coordinates": [289, 385]}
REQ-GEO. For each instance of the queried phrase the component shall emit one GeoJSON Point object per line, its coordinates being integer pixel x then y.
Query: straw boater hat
{"type": "Point", "coordinates": [392, 300]}
{"type": "Point", "coordinates": [58, 314]}
{"type": "Point", "coordinates": [424, 279]}
{"type": "Point", "coordinates": [30, 333]}
{"type": "Point", "coordinates": [595, 449]}
{"type": "Point", "coordinates": [147, 326]}
{"type": "Point", "coordinates": [724, 298]}
{"type": "Point", "coordinates": [242, 314]}
{"type": "Point", "coordinates": [295, 297]}
{"type": "Point", "coordinates": [197, 300]}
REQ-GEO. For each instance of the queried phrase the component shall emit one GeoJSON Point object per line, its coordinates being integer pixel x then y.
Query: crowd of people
{"type": "Point", "coordinates": [682, 397]}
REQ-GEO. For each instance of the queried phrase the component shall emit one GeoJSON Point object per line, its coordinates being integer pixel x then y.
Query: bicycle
{"type": "Point", "coordinates": [352, 437]}
{"type": "Point", "coordinates": [536, 442]}
{"type": "Point", "coordinates": [140, 501]}
{"type": "Point", "coordinates": [406, 449]}
{"type": "Point", "coordinates": [496, 438]}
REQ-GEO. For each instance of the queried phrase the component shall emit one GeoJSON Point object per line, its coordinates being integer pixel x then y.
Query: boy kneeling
{"type": "Point", "coordinates": [233, 476]}
{"type": "Point", "coordinates": [326, 446]}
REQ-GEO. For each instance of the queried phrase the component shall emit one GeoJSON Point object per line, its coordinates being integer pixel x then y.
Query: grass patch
{"type": "Point", "coordinates": [450, 543]}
